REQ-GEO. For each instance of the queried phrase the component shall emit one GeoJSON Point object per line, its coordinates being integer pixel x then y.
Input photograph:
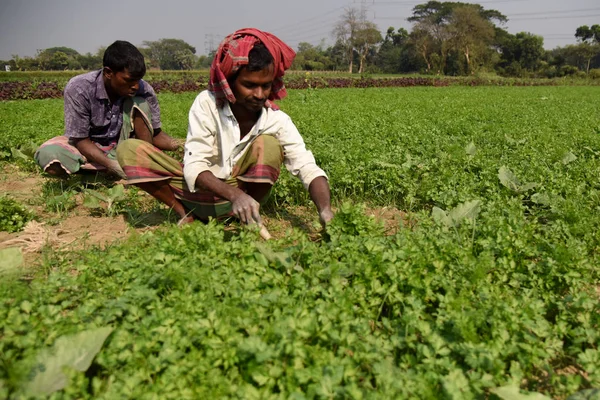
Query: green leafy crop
{"type": "Point", "coordinates": [13, 216]}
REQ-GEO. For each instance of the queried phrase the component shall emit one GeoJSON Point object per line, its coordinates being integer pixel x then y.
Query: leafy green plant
{"type": "Point", "coordinates": [13, 215]}
{"type": "Point", "coordinates": [72, 351]}
{"type": "Point", "coordinates": [112, 197]}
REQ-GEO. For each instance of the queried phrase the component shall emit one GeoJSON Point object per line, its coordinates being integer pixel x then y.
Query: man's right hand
{"type": "Point", "coordinates": [246, 209]}
{"type": "Point", "coordinates": [115, 169]}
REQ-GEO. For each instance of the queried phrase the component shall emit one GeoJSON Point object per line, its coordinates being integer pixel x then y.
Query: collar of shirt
{"type": "Point", "coordinates": [100, 88]}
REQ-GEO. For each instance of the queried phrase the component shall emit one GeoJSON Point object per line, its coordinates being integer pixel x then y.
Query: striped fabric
{"type": "Point", "coordinates": [143, 162]}
{"type": "Point", "coordinates": [58, 150]}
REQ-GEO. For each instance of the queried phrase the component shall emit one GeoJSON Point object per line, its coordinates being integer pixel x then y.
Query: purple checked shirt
{"type": "Point", "coordinates": [89, 112]}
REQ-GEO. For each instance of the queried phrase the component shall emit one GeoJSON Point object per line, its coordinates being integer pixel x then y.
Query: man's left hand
{"type": "Point", "coordinates": [325, 216]}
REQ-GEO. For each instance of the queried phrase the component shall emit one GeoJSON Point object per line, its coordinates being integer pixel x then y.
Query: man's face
{"type": "Point", "coordinates": [252, 88]}
{"type": "Point", "coordinates": [122, 83]}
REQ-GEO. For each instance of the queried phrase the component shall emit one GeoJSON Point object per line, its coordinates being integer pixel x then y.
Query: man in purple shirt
{"type": "Point", "coordinates": [102, 109]}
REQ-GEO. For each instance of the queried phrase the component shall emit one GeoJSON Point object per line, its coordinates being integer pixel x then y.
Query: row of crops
{"type": "Point", "coordinates": [30, 85]}
{"type": "Point", "coordinates": [490, 286]}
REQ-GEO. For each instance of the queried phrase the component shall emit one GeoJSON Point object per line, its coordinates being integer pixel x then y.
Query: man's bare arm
{"type": "Point", "coordinates": [93, 154]}
{"type": "Point", "coordinates": [165, 142]}
{"type": "Point", "coordinates": [321, 196]}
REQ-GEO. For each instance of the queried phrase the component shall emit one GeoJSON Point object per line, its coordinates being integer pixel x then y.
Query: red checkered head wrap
{"type": "Point", "coordinates": [233, 54]}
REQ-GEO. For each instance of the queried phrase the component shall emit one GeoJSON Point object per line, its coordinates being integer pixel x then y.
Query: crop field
{"type": "Point", "coordinates": [479, 279]}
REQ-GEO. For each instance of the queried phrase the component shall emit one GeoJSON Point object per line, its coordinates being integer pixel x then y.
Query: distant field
{"type": "Point", "coordinates": [491, 280]}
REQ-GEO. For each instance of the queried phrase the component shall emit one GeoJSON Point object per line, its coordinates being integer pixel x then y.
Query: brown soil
{"type": "Point", "coordinates": [81, 228]}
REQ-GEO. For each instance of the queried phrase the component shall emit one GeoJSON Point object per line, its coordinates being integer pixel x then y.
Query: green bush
{"type": "Point", "coordinates": [594, 73]}
{"type": "Point", "coordinates": [568, 70]}
{"type": "Point", "coordinates": [13, 216]}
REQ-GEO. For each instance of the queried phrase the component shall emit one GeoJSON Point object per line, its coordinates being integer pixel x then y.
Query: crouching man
{"type": "Point", "coordinates": [102, 109]}
{"type": "Point", "coordinates": [236, 142]}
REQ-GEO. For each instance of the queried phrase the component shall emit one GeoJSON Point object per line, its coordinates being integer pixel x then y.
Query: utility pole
{"type": "Point", "coordinates": [211, 41]}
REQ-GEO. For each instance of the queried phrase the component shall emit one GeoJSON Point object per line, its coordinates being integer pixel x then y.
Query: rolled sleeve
{"type": "Point", "coordinates": [199, 145]}
{"type": "Point", "coordinates": [149, 94]}
{"type": "Point", "coordinates": [77, 113]}
{"type": "Point", "coordinates": [297, 158]}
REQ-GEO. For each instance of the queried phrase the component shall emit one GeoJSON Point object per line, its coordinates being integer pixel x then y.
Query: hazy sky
{"type": "Point", "coordinates": [85, 25]}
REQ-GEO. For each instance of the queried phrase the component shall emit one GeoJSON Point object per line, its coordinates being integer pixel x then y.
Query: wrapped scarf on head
{"type": "Point", "coordinates": [233, 54]}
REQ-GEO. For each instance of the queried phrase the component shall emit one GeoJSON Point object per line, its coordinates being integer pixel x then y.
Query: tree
{"type": "Point", "coordinates": [57, 58]}
{"type": "Point", "coordinates": [589, 45]}
{"type": "Point", "coordinates": [586, 34]}
{"type": "Point", "coordinates": [422, 42]}
{"type": "Point", "coordinates": [524, 49]}
{"type": "Point", "coordinates": [345, 32]}
{"type": "Point", "coordinates": [169, 54]}
{"type": "Point", "coordinates": [469, 34]}
{"type": "Point", "coordinates": [431, 34]}
{"type": "Point", "coordinates": [393, 55]}
{"type": "Point", "coordinates": [58, 61]}
{"type": "Point", "coordinates": [90, 61]}
{"type": "Point", "coordinates": [366, 39]}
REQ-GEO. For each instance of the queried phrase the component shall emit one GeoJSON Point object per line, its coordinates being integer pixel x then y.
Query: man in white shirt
{"type": "Point", "coordinates": [237, 139]}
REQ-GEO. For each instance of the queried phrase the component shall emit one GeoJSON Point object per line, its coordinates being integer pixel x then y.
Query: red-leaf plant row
{"type": "Point", "coordinates": [26, 90]}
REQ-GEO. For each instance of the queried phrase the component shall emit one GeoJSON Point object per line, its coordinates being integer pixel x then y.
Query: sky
{"type": "Point", "coordinates": [86, 25]}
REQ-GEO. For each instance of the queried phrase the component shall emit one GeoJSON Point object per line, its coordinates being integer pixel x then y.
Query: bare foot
{"type": "Point", "coordinates": [188, 219]}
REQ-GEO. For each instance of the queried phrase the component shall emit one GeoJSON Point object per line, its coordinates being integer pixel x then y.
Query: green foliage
{"type": "Point", "coordinates": [11, 261]}
{"type": "Point", "coordinates": [13, 216]}
{"type": "Point", "coordinates": [72, 351]}
{"type": "Point", "coordinates": [113, 197]}
{"type": "Point", "coordinates": [499, 292]}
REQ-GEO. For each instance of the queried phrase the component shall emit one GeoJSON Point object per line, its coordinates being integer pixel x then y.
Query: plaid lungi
{"type": "Point", "coordinates": [143, 162]}
{"type": "Point", "coordinates": [59, 150]}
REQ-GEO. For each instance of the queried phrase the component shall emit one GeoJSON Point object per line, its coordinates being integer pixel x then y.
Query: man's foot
{"type": "Point", "coordinates": [188, 219]}
{"type": "Point", "coordinates": [55, 169]}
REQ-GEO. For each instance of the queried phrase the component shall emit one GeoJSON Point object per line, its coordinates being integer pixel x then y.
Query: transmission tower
{"type": "Point", "coordinates": [211, 41]}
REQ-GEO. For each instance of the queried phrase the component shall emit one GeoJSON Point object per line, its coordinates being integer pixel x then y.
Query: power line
{"type": "Point", "coordinates": [559, 17]}
{"type": "Point", "coordinates": [556, 12]}
{"type": "Point", "coordinates": [329, 22]}
{"type": "Point", "coordinates": [303, 22]}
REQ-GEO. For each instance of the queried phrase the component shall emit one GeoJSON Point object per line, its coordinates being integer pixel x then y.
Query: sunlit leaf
{"type": "Point", "coordinates": [274, 257]}
{"type": "Point", "coordinates": [466, 210]}
{"type": "Point", "coordinates": [512, 392]}
{"type": "Point", "coordinates": [11, 260]}
{"type": "Point", "coordinates": [471, 149]}
{"type": "Point", "coordinates": [18, 154]}
{"type": "Point", "coordinates": [508, 179]}
{"type": "Point", "coordinates": [541, 198]}
{"type": "Point", "coordinates": [91, 202]}
{"type": "Point", "coordinates": [589, 394]}
{"type": "Point", "coordinates": [74, 351]}
{"type": "Point", "coordinates": [440, 216]}
{"type": "Point", "coordinates": [116, 193]}
{"type": "Point", "coordinates": [569, 158]}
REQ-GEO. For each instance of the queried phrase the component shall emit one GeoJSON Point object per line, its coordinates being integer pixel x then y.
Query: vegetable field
{"type": "Point", "coordinates": [487, 287]}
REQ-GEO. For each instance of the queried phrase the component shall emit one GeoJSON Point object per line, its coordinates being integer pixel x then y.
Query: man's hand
{"type": "Point", "coordinates": [115, 169]}
{"type": "Point", "coordinates": [325, 216]}
{"type": "Point", "coordinates": [93, 154]}
{"type": "Point", "coordinates": [166, 142]}
{"type": "Point", "coordinates": [320, 195]}
{"type": "Point", "coordinates": [246, 209]}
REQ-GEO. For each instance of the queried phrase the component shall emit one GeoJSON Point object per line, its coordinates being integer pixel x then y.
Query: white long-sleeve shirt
{"type": "Point", "coordinates": [213, 142]}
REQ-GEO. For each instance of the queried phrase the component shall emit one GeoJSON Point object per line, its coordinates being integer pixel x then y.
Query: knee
{"type": "Point", "coordinates": [129, 147]}
{"type": "Point", "coordinates": [272, 146]}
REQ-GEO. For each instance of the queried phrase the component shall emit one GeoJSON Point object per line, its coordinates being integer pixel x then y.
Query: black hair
{"type": "Point", "coordinates": [259, 58]}
{"type": "Point", "coordinates": [123, 55]}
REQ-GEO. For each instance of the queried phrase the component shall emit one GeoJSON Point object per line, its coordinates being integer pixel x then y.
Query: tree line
{"type": "Point", "coordinates": [447, 38]}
